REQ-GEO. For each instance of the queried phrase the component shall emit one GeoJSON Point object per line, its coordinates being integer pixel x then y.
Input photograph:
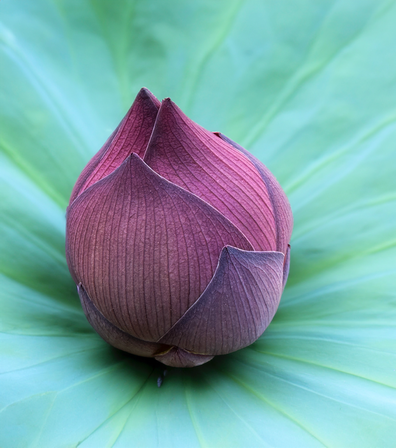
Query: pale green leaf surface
{"type": "Point", "coordinates": [308, 87]}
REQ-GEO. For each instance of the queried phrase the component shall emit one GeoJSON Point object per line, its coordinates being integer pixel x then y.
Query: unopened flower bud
{"type": "Point", "coordinates": [177, 238]}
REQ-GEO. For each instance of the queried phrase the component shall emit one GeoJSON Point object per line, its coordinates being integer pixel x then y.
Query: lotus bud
{"type": "Point", "coordinates": [177, 239]}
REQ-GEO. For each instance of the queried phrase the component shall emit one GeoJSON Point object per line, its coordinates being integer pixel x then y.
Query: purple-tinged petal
{"type": "Point", "coordinates": [131, 136]}
{"type": "Point", "coordinates": [286, 266]}
{"type": "Point", "coordinates": [144, 248]}
{"type": "Point", "coordinates": [236, 307]}
{"type": "Point", "coordinates": [112, 334]}
{"type": "Point", "coordinates": [198, 161]}
{"type": "Point", "coordinates": [177, 357]}
{"type": "Point", "coordinates": [282, 211]}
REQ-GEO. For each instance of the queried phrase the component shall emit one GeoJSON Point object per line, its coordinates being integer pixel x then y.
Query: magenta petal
{"type": "Point", "coordinates": [198, 161]}
{"type": "Point", "coordinates": [131, 136]}
{"type": "Point", "coordinates": [144, 248]}
{"type": "Point", "coordinates": [282, 211]}
{"type": "Point", "coordinates": [236, 307]}
{"type": "Point", "coordinates": [113, 335]}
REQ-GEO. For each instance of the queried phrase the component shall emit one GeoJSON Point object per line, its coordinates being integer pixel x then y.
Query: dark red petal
{"type": "Point", "coordinates": [236, 307]}
{"type": "Point", "coordinates": [113, 335]}
{"type": "Point", "coordinates": [280, 203]}
{"type": "Point", "coordinates": [194, 158]}
{"type": "Point", "coordinates": [177, 357]}
{"type": "Point", "coordinates": [131, 136]}
{"type": "Point", "coordinates": [144, 248]}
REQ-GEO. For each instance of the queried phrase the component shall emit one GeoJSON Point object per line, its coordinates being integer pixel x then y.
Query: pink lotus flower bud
{"type": "Point", "coordinates": [177, 238]}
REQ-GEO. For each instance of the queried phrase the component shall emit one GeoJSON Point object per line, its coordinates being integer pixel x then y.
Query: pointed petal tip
{"type": "Point", "coordinates": [135, 162]}
{"type": "Point", "coordinates": [167, 105]}
{"type": "Point", "coordinates": [131, 135]}
{"type": "Point", "coordinates": [232, 250]}
{"type": "Point", "coordinates": [134, 157]}
{"type": "Point", "coordinates": [229, 251]}
{"type": "Point", "coordinates": [146, 94]}
{"type": "Point", "coordinates": [137, 165]}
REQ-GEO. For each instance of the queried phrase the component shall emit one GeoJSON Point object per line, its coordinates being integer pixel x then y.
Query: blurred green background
{"type": "Point", "coordinates": [309, 87]}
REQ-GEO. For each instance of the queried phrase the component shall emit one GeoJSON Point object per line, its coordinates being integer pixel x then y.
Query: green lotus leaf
{"type": "Point", "coordinates": [309, 88]}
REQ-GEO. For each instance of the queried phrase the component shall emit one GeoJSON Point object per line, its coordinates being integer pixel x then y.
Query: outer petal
{"type": "Point", "coordinates": [112, 334]}
{"type": "Point", "coordinates": [177, 357]}
{"type": "Point", "coordinates": [171, 356]}
{"type": "Point", "coordinates": [282, 211]}
{"type": "Point", "coordinates": [286, 266]}
{"type": "Point", "coordinates": [198, 161]}
{"type": "Point", "coordinates": [144, 248]}
{"type": "Point", "coordinates": [131, 136]}
{"type": "Point", "coordinates": [236, 307]}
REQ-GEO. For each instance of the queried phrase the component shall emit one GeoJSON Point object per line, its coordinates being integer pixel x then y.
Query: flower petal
{"type": "Point", "coordinates": [144, 248]}
{"type": "Point", "coordinates": [131, 136]}
{"type": "Point", "coordinates": [177, 357]}
{"type": "Point", "coordinates": [282, 210]}
{"type": "Point", "coordinates": [236, 307]}
{"type": "Point", "coordinates": [194, 158]}
{"type": "Point", "coordinates": [112, 334]}
{"type": "Point", "coordinates": [286, 266]}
